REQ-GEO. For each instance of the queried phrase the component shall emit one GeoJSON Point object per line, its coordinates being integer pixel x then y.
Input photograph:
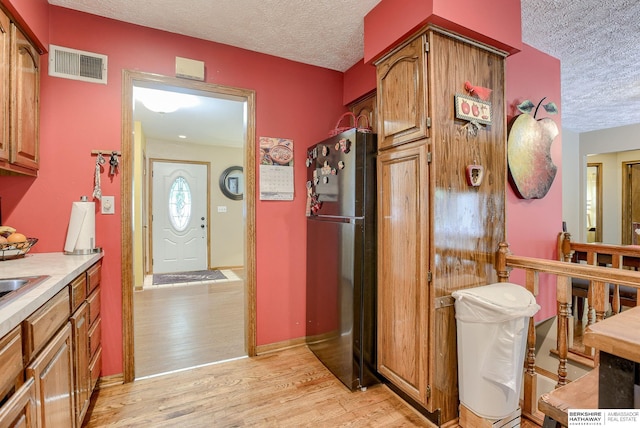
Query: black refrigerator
{"type": "Point", "coordinates": [341, 256]}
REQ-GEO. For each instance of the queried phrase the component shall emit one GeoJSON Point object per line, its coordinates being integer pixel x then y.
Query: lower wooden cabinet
{"type": "Point", "coordinates": [52, 371]}
{"type": "Point", "coordinates": [82, 383]}
{"type": "Point", "coordinates": [62, 348]}
{"type": "Point", "coordinates": [403, 287]}
{"type": "Point", "coordinates": [20, 410]}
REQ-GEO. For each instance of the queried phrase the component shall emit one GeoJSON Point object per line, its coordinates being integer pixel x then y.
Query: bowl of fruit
{"type": "Point", "coordinates": [14, 244]}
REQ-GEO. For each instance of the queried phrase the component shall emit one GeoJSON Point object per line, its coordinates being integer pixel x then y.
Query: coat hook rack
{"type": "Point", "coordinates": [106, 152]}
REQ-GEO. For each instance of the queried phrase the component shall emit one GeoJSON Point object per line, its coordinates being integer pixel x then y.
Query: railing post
{"type": "Point", "coordinates": [501, 262]}
{"type": "Point", "coordinates": [530, 401]}
{"type": "Point", "coordinates": [563, 293]}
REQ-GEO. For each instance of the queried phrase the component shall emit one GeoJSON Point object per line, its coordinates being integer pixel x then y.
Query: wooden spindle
{"type": "Point", "coordinates": [530, 400]}
{"type": "Point", "coordinates": [563, 293]}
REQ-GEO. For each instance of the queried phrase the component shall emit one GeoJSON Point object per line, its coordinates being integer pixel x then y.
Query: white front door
{"type": "Point", "coordinates": [179, 220]}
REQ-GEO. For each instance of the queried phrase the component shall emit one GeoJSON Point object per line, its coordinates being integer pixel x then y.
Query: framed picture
{"type": "Point", "coordinates": [473, 109]}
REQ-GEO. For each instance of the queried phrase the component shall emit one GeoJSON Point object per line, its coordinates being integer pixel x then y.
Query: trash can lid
{"type": "Point", "coordinates": [494, 302]}
{"type": "Point", "coordinates": [502, 294]}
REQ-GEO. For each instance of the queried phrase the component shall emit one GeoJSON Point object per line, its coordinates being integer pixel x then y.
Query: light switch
{"type": "Point", "coordinates": [108, 205]}
{"type": "Point", "coordinates": [222, 209]}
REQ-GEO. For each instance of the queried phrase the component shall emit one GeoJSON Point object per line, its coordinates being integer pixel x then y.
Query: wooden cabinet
{"type": "Point", "coordinates": [402, 95]}
{"type": "Point", "coordinates": [82, 381]}
{"type": "Point", "coordinates": [436, 232]}
{"type": "Point", "coordinates": [52, 371]}
{"type": "Point", "coordinates": [19, 99]}
{"type": "Point", "coordinates": [20, 410]}
{"type": "Point", "coordinates": [95, 323]}
{"type": "Point", "coordinates": [85, 323]}
{"type": "Point", "coordinates": [403, 288]}
{"type": "Point", "coordinates": [60, 345]}
{"type": "Point", "coordinates": [367, 106]}
{"type": "Point", "coordinates": [5, 72]}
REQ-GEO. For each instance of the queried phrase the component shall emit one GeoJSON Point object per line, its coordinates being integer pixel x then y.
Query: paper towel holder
{"type": "Point", "coordinates": [86, 251]}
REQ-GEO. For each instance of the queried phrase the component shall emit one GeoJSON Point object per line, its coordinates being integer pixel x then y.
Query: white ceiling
{"type": "Point", "coordinates": [596, 42]}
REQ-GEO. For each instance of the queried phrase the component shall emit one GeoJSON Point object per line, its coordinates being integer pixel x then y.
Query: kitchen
{"type": "Point", "coordinates": [78, 117]}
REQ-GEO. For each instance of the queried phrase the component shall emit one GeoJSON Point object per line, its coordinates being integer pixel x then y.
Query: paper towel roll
{"type": "Point", "coordinates": [81, 234]}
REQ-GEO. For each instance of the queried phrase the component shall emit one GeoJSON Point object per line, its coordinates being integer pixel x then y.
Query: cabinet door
{"type": "Point", "coordinates": [20, 410]}
{"type": "Point", "coordinates": [402, 95]}
{"type": "Point", "coordinates": [80, 329]}
{"type": "Point", "coordinates": [25, 83]}
{"type": "Point", "coordinates": [53, 373]}
{"type": "Point", "coordinates": [403, 288]}
{"type": "Point", "coordinates": [367, 107]}
{"type": "Point", "coordinates": [5, 47]}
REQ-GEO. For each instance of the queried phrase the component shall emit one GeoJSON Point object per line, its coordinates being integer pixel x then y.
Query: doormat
{"type": "Point", "coordinates": [180, 277]}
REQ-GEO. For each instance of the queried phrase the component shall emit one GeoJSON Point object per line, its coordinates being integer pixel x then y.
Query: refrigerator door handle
{"type": "Point", "coordinates": [336, 219]}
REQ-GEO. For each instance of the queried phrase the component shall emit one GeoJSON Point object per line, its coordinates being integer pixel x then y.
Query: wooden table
{"type": "Point", "coordinates": [618, 340]}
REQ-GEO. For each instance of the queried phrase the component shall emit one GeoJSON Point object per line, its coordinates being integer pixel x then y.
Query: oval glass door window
{"type": "Point", "coordinates": [180, 204]}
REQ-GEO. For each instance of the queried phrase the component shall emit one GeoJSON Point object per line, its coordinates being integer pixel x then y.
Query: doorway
{"type": "Point", "coordinates": [129, 182]}
{"type": "Point", "coordinates": [631, 203]}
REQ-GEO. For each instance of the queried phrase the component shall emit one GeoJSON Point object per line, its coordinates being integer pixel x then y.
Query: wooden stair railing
{"type": "Point", "coordinates": [599, 277]}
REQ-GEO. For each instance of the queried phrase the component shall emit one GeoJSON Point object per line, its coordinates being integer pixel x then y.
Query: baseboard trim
{"type": "Point", "coordinates": [280, 346]}
{"type": "Point", "coordinates": [109, 381]}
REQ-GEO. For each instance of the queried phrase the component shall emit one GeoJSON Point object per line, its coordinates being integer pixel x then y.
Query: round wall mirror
{"type": "Point", "coordinates": [232, 182]}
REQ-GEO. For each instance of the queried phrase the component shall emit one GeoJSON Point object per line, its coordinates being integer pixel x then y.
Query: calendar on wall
{"type": "Point", "coordinates": [276, 169]}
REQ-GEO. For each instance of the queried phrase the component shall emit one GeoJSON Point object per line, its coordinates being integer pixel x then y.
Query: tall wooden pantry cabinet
{"type": "Point", "coordinates": [438, 229]}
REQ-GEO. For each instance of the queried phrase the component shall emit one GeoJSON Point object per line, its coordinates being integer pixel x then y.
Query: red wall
{"type": "Point", "coordinates": [533, 224]}
{"type": "Point", "coordinates": [33, 17]}
{"type": "Point", "coordinates": [496, 23]}
{"type": "Point", "coordinates": [293, 100]}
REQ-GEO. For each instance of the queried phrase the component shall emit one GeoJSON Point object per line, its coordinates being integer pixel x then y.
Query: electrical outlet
{"type": "Point", "coordinates": [108, 205]}
{"type": "Point", "coordinates": [222, 209]}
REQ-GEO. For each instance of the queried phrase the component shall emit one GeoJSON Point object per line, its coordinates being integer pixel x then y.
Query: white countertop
{"type": "Point", "coordinates": [61, 268]}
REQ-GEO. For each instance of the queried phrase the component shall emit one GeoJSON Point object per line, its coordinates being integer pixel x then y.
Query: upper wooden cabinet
{"type": "Point", "coordinates": [5, 71]}
{"type": "Point", "coordinates": [19, 100]}
{"type": "Point", "coordinates": [367, 107]}
{"type": "Point", "coordinates": [402, 95]}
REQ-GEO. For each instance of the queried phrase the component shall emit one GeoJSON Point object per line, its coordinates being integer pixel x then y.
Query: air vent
{"type": "Point", "coordinates": [77, 65]}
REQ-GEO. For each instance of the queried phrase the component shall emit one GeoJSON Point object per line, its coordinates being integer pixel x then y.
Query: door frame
{"type": "Point", "coordinates": [126, 186]}
{"type": "Point", "coordinates": [627, 200]}
{"type": "Point", "coordinates": [149, 220]}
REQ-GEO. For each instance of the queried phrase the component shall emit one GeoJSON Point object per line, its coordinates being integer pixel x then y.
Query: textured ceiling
{"type": "Point", "coordinates": [597, 42]}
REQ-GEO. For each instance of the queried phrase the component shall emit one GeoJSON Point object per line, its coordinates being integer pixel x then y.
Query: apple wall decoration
{"type": "Point", "coordinates": [531, 168]}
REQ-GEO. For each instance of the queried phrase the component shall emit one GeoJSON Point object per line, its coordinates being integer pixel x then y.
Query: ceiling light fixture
{"type": "Point", "coordinates": [182, 136]}
{"type": "Point", "coordinates": [160, 101]}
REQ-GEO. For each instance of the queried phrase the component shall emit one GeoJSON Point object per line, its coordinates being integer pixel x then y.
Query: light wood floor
{"type": "Point", "coordinates": [185, 326]}
{"type": "Point", "coordinates": [290, 388]}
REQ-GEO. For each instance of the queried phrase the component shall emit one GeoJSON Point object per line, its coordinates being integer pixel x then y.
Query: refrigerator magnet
{"type": "Point", "coordinates": [334, 171]}
{"type": "Point", "coordinates": [341, 165]}
{"type": "Point", "coordinates": [325, 150]}
{"type": "Point", "coordinates": [325, 179]}
{"type": "Point", "coordinates": [345, 145]}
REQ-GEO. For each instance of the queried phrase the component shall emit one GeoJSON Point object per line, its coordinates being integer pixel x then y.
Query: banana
{"type": "Point", "coordinates": [6, 230]}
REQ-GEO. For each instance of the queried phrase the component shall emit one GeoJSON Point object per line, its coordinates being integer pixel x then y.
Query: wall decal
{"type": "Point", "coordinates": [531, 169]}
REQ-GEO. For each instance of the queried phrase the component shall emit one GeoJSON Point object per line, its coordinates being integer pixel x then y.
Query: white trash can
{"type": "Point", "coordinates": [492, 323]}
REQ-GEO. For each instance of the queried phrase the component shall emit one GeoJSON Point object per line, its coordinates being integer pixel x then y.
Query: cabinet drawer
{"type": "Point", "coordinates": [94, 305]}
{"type": "Point", "coordinates": [95, 337]}
{"type": "Point", "coordinates": [95, 366]}
{"type": "Point", "coordinates": [78, 291]}
{"type": "Point", "coordinates": [93, 275]}
{"type": "Point", "coordinates": [45, 322]}
{"type": "Point", "coordinates": [11, 361]}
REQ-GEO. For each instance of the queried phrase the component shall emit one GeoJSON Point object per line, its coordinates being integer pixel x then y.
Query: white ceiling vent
{"type": "Point", "coordinates": [77, 65]}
